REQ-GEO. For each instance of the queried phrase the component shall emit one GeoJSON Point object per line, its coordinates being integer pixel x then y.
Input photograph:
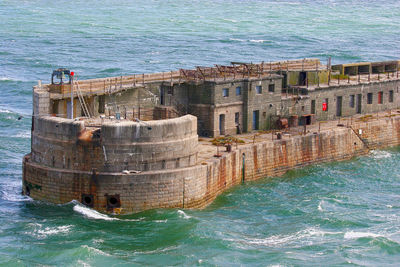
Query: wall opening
{"type": "Point", "coordinates": [339, 106]}
{"type": "Point", "coordinates": [369, 98]}
{"type": "Point", "coordinates": [302, 78]}
{"type": "Point", "coordinates": [162, 96]}
{"type": "Point", "coordinates": [113, 201]}
{"type": "Point", "coordinates": [312, 106]}
{"type": "Point", "coordinates": [102, 104]}
{"type": "Point", "coordinates": [222, 124]}
{"type": "Point", "coordinates": [256, 118]}
{"type": "Point", "coordinates": [237, 123]}
{"type": "Point", "coordinates": [359, 103]}
{"type": "Point", "coordinates": [87, 200]}
{"type": "Point", "coordinates": [351, 101]}
{"type": "Point", "coordinates": [363, 69]}
{"type": "Point", "coordinates": [380, 97]}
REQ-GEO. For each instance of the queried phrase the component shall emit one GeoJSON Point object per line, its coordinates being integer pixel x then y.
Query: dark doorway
{"type": "Point", "coordinates": [312, 106]}
{"type": "Point", "coordinates": [339, 100]}
{"type": "Point", "coordinates": [284, 81]}
{"type": "Point", "coordinates": [302, 78]}
{"type": "Point", "coordinates": [359, 100]}
{"type": "Point", "coordinates": [162, 96]}
{"type": "Point", "coordinates": [222, 124]}
{"type": "Point", "coordinates": [256, 117]}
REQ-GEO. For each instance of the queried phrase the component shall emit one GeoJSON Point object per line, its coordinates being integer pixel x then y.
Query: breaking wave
{"type": "Point", "coordinates": [92, 214]}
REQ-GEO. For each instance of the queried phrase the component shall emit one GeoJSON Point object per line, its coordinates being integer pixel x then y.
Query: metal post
{"type": "Point", "coordinates": [72, 98]}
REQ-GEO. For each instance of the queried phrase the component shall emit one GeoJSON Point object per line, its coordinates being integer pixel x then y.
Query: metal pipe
{"type": "Point", "coordinates": [72, 98]}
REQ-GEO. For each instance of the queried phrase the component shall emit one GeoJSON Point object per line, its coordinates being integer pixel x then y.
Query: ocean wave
{"type": "Point", "coordinates": [95, 250]}
{"type": "Point", "coordinates": [23, 134]}
{"type": "Point", "coordinates": [236, 39]}
{"type": "Point", "coordinates": [260, 41]}
{"type": "Point", "coordinates": [92, 214]}
{"type": "Point", "coordinates": [356, 235]}
{"type": "Point", "coordinates": [303, 236]}
{"type": "Point", "coordinates": [42, 232]}
{"type": "Point", "coordinates": [184, 215]}
{"type": "Point", "coordinates": [380, 154]}
{"type": "Point", "coordinates": [161, 221]}
{"type": "Point", "coordinates": [6, 111]}
{"type": "Point", "coordinates": [320, 205]}
{"type": "Point", "coordinates": [14, 197]}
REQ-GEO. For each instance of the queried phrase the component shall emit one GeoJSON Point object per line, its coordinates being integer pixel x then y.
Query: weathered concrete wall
{"type": "Point", "coordinates": [196, 186]}
{"type": "Point", "coordinates": [345, 91]}
{"type": "Point", "coordinates": [379, 133]}
{"type": "Point", "coordinates": [151, 145]}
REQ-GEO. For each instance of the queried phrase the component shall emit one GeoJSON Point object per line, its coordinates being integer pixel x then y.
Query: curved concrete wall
{"type": "Point", "coordinates": [120, 145]}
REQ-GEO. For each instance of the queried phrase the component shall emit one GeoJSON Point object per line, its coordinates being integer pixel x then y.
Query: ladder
{"type": "Point", "coordinates": [82, 100]}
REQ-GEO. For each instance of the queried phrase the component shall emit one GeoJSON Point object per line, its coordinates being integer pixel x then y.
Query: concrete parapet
{"type": "Point", "coordinates": [116, 146]}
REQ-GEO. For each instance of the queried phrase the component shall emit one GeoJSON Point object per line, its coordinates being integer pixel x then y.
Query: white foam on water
{"type": "Point", "coordinates": [161, 221]}
{"type": "Point", "coordinates": [260, 41]}
{"type": "Point", "coordinates": [95, 250]}
{"type": "Point", "coordinates": [157, 251]}
{"type": "Point", "coordinates": [320, 206]}
{"type": "Point", "coordinates": [23, 134]}
{"type": "Point", "coordinates": [92, 214]}
{"type": "Point", "coordinates": [54, 231]}
{"type": "Point", "coordinates": [84, 264]}
{"type": "Point", "coordinates": [389, 206]}
{"type": "Point", "coordinates": [355, 235]}
{"type": "Point", "coordinates": [184, 215]}
{"type": "Point", "coordinates": [230, 20]}
{"type": "Point", "coordinates": [42, 232]}
{"type": "Point", "coordinates": [303, 236]}
{"type": "Point", "coordinates": [236, 39]}
{"type": "Point", "coordinates": [14, 197]}
{"type": "Point", "coordinates": [5, 111]}
{"type": "Point", "coordinates": [379, 154]}
{"type": "Point", "coordinates": [5, 79]}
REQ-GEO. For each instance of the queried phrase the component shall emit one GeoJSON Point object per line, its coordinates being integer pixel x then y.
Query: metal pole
{"type": "Point", "coordinates": [72, 98]}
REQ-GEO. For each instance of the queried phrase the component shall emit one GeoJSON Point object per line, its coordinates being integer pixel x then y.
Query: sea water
{"type": "Point", "coordinates": [345, 213]}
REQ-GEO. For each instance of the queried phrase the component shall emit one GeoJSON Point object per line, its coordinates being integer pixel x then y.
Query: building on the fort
{"type": "Point", "coordinates": [242, 97]}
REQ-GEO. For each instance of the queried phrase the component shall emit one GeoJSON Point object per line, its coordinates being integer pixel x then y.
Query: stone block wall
{"type": "Point", "coordinates": [196, 186]}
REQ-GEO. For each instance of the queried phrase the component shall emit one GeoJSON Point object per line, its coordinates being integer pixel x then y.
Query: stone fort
{"type": "Point", "coordinates": [130, 143]}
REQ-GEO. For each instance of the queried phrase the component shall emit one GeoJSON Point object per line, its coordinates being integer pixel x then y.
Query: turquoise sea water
{"type": "Point", "coordinates": [344, 213]}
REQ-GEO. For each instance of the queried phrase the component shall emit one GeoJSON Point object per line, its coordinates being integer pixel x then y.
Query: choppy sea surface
{"type": "Point", "coordinates": [345, 213]}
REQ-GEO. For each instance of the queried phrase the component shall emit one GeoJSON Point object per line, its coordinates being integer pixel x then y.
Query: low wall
{"type": "Point", "coordinates": [198, 185]}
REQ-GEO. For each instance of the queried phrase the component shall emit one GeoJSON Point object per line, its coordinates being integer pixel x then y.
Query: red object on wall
{"type": "Point", "coordinates": [324, 106]}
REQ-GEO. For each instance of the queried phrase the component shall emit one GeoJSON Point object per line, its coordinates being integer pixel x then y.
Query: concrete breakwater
{"type": "Point", "coordinates": [185, 182]}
